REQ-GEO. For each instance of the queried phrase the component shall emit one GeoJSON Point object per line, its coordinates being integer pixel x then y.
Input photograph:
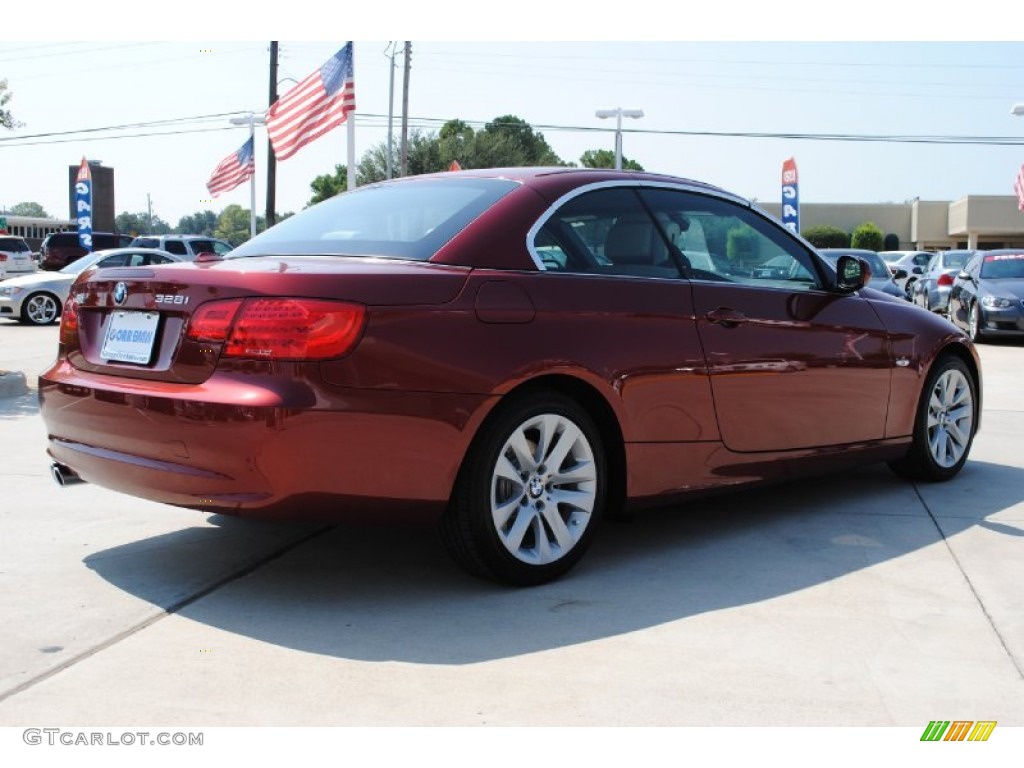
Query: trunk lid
{"type": "Point", "coordinates": [131, 321]}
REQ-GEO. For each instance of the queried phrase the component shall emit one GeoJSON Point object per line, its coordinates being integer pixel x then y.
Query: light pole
{"type": "Point", "coordinates": [618, 113]}
{"type": "Point", "coordinates": [252, 120]}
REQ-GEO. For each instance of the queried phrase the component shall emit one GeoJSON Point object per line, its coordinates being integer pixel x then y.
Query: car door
{"type": "Point", "coordinates": [793, 363]}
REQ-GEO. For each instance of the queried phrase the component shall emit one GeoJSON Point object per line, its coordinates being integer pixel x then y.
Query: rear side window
{"type": "Point", "coordinates": [401, 220]}
{"type": "Point", "coordinates": [176, 247]}
{"type": "Point", "coordinates": [61, 240]}
{"type": "Point", "coordinates": [101, 242]}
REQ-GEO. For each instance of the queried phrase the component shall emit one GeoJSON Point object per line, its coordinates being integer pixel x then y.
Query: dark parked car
{"type": "Point", "coordinates": [513, 352]}
{"type": "Point", "coordinates": [881, 277]}
{"type": "Point", "coordinates": [987, 297]}
{"type": "Point", "coordinates": [61, 248]}
{"type": "Point", "coordinates": [931, 290]}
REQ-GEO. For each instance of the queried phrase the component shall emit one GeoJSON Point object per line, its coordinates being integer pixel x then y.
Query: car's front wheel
{"type": "Point", "coordinates": [945, 424]}
{"type": "Point", "coordinates": [40, 309]}
{"type": "Point", "coordinates": [530, 494]}
{"type": "Point", "coordinates": [974, 323]}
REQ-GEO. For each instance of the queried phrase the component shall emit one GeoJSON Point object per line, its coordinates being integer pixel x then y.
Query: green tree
{"type": "Point", "coordinates": [6, 118]}
{"type": "Point", "coordinates": [869, 236]}
{"type": "Point", "coordinates": [605, 158]}
{"type": "Point", "coordinates": [826, 236]}
{"type": "Point", "coordinates": [504, 142]}
{"type": "Point", "coordinates": [198, 223]}
{"type": "Point", "coordinates": [140, 224]}
{"type": "Point", "coordinates": [29, 209]}
{"type": "Point", "coordinates": [233, 224]}
{"type": "Point", "coordinates": [329, 184]}
{"type": "Point", "coordinates": [509, 141]}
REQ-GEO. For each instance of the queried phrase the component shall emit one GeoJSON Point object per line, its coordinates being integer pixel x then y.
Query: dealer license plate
{"type": "Point", "coordinates": [130, 337]}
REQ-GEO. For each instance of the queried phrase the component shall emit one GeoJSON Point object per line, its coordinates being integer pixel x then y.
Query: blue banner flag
{"type": "Point", "coordinates": [83, 205]}
{"type": "Point", "coordinates": [790, 196]}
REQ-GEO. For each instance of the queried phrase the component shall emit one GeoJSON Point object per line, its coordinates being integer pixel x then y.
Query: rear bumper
{"type": "Point", "coordinates": [267, 450]}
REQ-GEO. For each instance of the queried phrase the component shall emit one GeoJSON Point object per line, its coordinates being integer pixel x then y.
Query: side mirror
{"type": "Point", "coordinates": [918, 270]}
{"type": "Point", "coordinates": [852, 274]}
{"type": "Point", "coordinates": [964, 275]}
{"type": "Point", "coordinates": [899, 274]}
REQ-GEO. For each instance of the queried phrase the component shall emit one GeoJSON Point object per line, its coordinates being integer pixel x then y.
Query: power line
{"type": "Point", "coordinates": [372, 120]}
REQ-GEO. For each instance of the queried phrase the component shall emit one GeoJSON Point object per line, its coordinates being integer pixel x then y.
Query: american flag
{"type": "Point", "coordinates": [313, 107]}
{"type": "Point", "coordinates": [233, 170]}
{"type": "Point", "coordinates": [1018, 187]}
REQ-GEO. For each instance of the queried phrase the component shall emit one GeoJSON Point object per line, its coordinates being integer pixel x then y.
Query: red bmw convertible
{"type": "Point", "coordinates": [514, 352]}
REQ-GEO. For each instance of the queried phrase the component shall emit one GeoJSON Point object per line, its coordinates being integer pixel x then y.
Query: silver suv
{"type": "Point", "coordinates": [188, 246]}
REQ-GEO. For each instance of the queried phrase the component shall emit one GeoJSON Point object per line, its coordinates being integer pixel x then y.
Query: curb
{"type": "Point", "coordinates": [12, 384]}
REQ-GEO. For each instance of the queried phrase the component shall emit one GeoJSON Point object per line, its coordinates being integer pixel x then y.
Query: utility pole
{"type": "Point", "coordinates": [405, 109]}
{"type": "Point", "coordinates": [149, 208]}
{"type": "Point", "coordinates": [391, 112]}
{"type": "Point", "coordinates": [271, 158]}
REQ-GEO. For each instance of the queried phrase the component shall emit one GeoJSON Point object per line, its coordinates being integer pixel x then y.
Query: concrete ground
{"type": "Point", "coordinates": [858, 599]}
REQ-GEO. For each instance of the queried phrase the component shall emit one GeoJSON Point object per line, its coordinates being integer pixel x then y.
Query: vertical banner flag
{"type": "Point", "coordinates": [1018, 187]}
{"type": "Point", "coordinates": [790, 196]}
{"type": "Point", "coordinates": [313, 107]}
{"type": "Point", "coordinates": [83, 205]}
{"type": "Point", "coordinates": [237, 167]}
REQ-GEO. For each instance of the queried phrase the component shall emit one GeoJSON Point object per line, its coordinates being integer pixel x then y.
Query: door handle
{"type": "Point", "coordinates": [727, 318]}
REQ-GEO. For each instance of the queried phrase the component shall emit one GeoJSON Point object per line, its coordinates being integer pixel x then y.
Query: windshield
{"type": "Point", "coordinates": [1003, 266]}
{"type": "Point", "coordinates": [408, 219]}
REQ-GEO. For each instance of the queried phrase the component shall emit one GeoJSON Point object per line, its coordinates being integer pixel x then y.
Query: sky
{"type": "Point", "coordinates": [174, 96]}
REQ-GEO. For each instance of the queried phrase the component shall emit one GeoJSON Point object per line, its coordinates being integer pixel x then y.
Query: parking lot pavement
{"type": "Point", "coordinates": [853, 599]}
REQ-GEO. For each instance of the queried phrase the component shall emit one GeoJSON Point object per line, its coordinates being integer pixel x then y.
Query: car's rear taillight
{"type": "Point", "coordinates": [212, 321]}
{"type": "Point", "coordinates": [3, 257]}
{"type": "Point", "coordinates": [945, 279]}
{"type": "Point", "coordinates": [69, 322]}
{"type": "Point", "coordinates": [279, 328]}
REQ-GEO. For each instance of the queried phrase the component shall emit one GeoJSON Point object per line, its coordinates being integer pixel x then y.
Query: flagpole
{"type": "Point", "coordinates": [252, 120]}
{"type": "Point", "coordinates": [351, 139]}
{"type": "Point", "coordinates": [351, 122]}
{"type": "Point", "coordinates": [252, 179]}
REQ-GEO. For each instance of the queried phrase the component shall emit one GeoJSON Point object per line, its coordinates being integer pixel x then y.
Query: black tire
{"type": "Point", "coordinates": [40, 309]}
{"type": "Point", "coordinates": [974, 324]}
{"type": "Point", "coordinates": [947, 418]}
{"type": "Point", "coordinates": [516, 517]}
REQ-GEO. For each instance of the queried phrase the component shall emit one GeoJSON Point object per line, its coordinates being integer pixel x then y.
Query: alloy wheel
{"type": "Point", "coordinates": [543, 489]}
{"type": "Point", "coordinates": [41, 309]}
{"type": "Point", "coordinates": [950, 418]}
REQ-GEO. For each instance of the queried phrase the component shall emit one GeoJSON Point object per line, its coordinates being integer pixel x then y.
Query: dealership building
{"type": "Point", "coordinates": [974, 221]}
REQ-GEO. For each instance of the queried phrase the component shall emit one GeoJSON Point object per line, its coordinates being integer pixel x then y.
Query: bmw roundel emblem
{"type": "Point", "coordinates": [120, 293]}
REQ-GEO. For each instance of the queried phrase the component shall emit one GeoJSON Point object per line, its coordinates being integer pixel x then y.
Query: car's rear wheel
{"type": "Point", "coordinates": [945, 424]}
{"type": "Point", "coordinates": [530, 494]}
{"type": "Point", "coordinates": [40, 309]}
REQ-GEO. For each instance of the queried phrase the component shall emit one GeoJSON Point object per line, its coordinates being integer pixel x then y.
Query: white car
{"type": "Point", "coordinates": [907, 267]}
{"type": "Point", "coordinates": [15, 257]}
{"type": "Point", "coordinates": [38, 298]}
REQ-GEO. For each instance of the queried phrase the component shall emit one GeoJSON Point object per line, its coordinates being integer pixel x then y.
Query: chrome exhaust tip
{"type": "Point", "coordinates": [64, 476]}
